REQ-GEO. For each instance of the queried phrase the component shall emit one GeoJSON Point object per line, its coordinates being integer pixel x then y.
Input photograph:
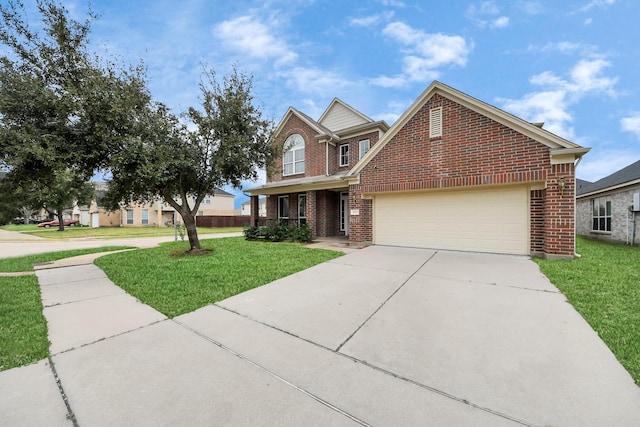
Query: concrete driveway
{"type": "Point", "coordinates": [381, 336]}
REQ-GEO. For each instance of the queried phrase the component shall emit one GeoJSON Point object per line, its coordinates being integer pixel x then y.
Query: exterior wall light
{"type": "Point", "coordinates": [561, 185]}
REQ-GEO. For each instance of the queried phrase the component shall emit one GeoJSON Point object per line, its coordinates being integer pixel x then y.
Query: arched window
{"type": "Point", "coordinates": [293, 158]}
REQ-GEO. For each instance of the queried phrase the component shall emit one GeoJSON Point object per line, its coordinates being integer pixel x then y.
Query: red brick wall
{"type": "Point", "coordinates": [354, 150]}
{"type": "Point", "coordinates": [313, 150]}
{"type": "Point", "coordinates": [473, 150]}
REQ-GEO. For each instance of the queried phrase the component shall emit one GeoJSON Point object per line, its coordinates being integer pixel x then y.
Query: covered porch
{"type": "Point", "coordinates": [323, 205]}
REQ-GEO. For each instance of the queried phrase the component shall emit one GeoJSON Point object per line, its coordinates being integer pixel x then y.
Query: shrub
{"type": "Point", "coordinates": [278, 231]}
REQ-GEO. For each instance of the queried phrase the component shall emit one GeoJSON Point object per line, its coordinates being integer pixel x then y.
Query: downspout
{"type": "Point", "coordinates": [575, 168]}
{"type": "Point", "coordinates": [326, 158]}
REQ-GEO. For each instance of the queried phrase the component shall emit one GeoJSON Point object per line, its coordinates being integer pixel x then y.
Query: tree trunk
{"type": "Point", "coordinates": [60, 219]}
{"type": "Point", "coordinates": [192, 232]}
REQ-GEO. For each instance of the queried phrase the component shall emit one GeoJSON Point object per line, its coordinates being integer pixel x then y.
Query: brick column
{"type": "Point", "coordinates": [559, 207]}
{"type": "Point", "coordinates": [255, 210]}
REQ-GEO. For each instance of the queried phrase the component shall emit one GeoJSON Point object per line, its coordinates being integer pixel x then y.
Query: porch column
{"type": "Point", "coordinates": [255, 210]}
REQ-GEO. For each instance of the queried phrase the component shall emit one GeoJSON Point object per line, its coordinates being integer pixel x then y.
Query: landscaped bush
{"type": "Point", "coordinates": [278, 231]}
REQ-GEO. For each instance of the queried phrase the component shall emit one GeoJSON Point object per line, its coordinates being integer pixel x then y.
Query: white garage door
{"type": "Point", "coordinates": [495, 220]}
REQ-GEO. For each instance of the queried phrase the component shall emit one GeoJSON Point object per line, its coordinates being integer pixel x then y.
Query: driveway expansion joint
{"type": "Point", "coordinates": [274, 375]}
{"type": "Point", "coordinates": [353, 359]}
{"type": "Point", "coordinates": [386, 300]}
{"type": "Point", "coordinates": [70, 415]}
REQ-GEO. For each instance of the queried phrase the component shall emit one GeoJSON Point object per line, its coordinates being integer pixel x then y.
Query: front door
{"type": "Point", "coordinates": [344, 213]}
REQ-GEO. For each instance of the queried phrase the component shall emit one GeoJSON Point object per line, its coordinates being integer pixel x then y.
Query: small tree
{"type": "Point", "coordinates": [226, 143]}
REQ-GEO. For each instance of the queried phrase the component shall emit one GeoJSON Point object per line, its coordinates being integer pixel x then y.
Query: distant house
{"type": "Point", "coordinates": [609, 209]}
{"type": "Point", "coordinates": [262, 208]}
{"type": "Point", "coordinates": [156, 214]}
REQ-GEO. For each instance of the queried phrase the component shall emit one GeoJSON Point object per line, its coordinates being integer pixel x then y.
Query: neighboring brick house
{"type": "Point", "coordinates": [452, 173]}
{"type": "Point", "coordinates": [609, 209]}
{"type": "Point", "coordinates": [156, 214]}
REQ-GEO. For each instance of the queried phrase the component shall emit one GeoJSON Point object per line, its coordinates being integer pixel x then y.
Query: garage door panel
{"type": "Point", "coordinates": [483, 220]}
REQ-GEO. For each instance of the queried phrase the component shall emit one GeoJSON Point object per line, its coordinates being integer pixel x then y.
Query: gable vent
{"type": "Point", "coordinates": [435, 122]}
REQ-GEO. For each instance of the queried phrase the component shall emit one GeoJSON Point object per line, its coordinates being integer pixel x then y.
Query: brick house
{"type": "Point", "coordinates": [609, 209]}
{"type": "Point", "coordinates": [451, 173]}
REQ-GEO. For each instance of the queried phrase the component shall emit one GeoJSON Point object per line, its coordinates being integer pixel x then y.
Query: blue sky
{"type": "Point", "coordinates": [572, 64]}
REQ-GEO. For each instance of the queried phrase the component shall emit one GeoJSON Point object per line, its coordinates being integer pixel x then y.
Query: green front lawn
{"type": "Point", "coordinates": [604, 287]}
{"type": "Point", "coordinates": [175, 285]}
{"type": "Point", "coordinates": [23, 328]}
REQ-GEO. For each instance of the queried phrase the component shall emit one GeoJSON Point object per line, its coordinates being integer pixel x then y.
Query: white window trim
{"type": "Point", "coordinates": [300, 197]}
{"type": "Point", "coordinates": [293, 161]}
{"type": "Point", "coordinates": [435, 122]}
{"type": "Point", "coordinates": [280, 210]}
{"type": "Point", "coordinates": [361, 154]}
{"type": "Point", "coordinates": [341, 155]}
{"type": "Point", "coordinates": [143, 219]}
{"type": "Point", "coordinates": [603, 199]}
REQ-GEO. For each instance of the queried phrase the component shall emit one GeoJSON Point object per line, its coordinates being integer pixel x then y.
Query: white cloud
{"type": "Point", "coordinates": [552, 104]}
{"type": "Point", "coordinates": [369, 21]}
{"type": "Point", "coordinates": [562, 47]}
{"type": "Point", "coordinates": [424, 54]}
{"type": "Point", "coordinates": [393, 3]}
{"type": "Point", "coordinates": [316, 81]}
{"type": "Point", "coordinates": [530, 7]}
{"type": "Point", "coordinates": [631, 124]}
{"type": "Point", "coordinates": [501, 22]}
{"type": "Point", "coordinates": [596, 3]}
{"type": "Point", "coordinates": [485, 14]}
{"type": "Point", "coordinates": [550, 107]}
{"type": "Point", "coordinates": [250, 36]}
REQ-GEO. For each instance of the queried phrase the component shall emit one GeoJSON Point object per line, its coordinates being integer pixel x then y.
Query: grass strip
{"type": "Point", "coordinates": [25, 263]}
{"type": "Point", "coordinates": [604, 287]}
{"type": "Point", "coordinates": [23, 328]}
{"type": "Point", "coordinates": [175, 285]}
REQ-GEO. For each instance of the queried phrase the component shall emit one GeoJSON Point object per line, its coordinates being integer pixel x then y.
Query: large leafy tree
{"type": "Point", "coordinates": [63, 110]}
{"type": "Point", "coordinates": [224, 142]}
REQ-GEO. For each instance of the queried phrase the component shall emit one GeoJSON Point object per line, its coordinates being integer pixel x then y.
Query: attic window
{"type": "Point", "coordinates": [435, 122]}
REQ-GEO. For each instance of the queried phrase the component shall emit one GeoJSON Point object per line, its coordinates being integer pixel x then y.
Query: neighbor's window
{"type": "Point", "coordinates": [435, 122]}
{"type": "Point", "coordinates": [207, 200]}
{"type": "Point", "coordinates": [129, 216]}
{"type": "Point", "coordinates": [145, 216]}
{"type": "Point", "coordinates": [293, 157]}
{"type": "Point", "coordinates": [283, 207]}
{"type": "Point", "coordinates": [344, 155]}
{"type": "Point", "coordinates": [601, 209]}
{"type": "Point", "coordinates": [364, 145]}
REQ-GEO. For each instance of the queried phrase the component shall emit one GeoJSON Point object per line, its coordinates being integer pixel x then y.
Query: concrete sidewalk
{"type": "Point", "coordinates": [380, 336]}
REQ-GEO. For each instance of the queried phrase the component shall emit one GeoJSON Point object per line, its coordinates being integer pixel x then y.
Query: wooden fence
{"type": "Point", "coordinates": [216, 221]}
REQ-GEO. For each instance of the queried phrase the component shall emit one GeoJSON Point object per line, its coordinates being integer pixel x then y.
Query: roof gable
{"type": "Point", "coordinates": [560, 148]}
{"type": "Point", "coordinates": [627, 175]}
{"type": "Point", "coordinates": [317, 127]}
{"type": "Point", "coordinates": [340, 116]}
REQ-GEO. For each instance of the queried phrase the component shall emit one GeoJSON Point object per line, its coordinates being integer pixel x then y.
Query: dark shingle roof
{"type": "Point", "coordinates": [626, 174]}
{"type": "Point", "coordinates": [581, 185]}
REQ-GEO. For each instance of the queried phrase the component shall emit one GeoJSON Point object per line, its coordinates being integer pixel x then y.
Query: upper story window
{"type": "Point", "coordinates": [601, 217]}
{"type": "Point", "coordinates": [293, 157]}
{"type": "Point", "coordinates": [207, 200]}
{"type": "Point", "coordinates": [435, 122]}
{"type": "Point", "coordinates": [364, 146]}
{"type": "Point", "coordinates": [344, 155]}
